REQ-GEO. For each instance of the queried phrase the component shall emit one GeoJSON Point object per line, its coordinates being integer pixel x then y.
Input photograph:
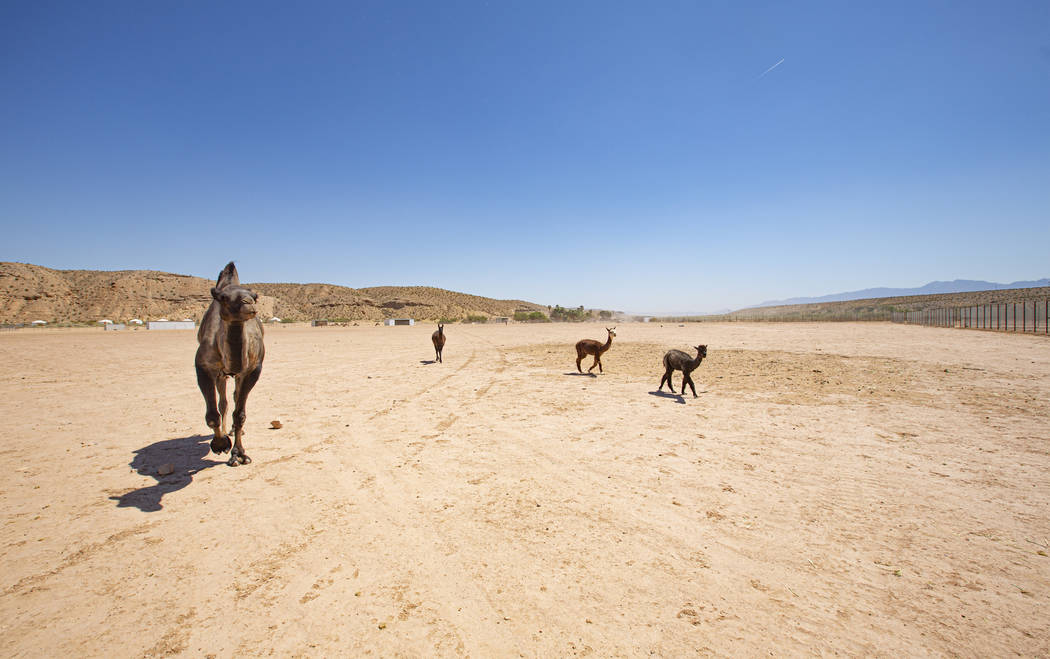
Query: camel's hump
{"type": "Point", "coordinates": [228, 276]}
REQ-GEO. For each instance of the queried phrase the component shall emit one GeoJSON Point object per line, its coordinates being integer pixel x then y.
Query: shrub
{"type": "Point", "coordinates": [531, 317]}
{"type": "Point", "coordinates": [576, 315]}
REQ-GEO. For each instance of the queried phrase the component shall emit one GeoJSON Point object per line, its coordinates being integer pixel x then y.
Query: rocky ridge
{"type": "Point", "coordinates": [31, 292]}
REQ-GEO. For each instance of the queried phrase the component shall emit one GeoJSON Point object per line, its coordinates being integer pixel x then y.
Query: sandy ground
{"type": "Point", "coordinates": [857, 489]}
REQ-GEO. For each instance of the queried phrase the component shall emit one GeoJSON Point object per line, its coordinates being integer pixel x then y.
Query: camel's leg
{"type": "Point", "coordinates": [220, 386]}
{"type": "Point", "coordinates": [598, 363]}
{"type": "Point", "coordinates": [437, 352]}
{"type": "Point", "coordinates": [579, 358]}
{"type": "Point", "coordinates": [240, 397]}
{"type": "Point", "coordinates": [667, 378]}
{"type": "Point", "coordinates": [688, 379]}
{"type": "Point", "coordinates": [220, 442]}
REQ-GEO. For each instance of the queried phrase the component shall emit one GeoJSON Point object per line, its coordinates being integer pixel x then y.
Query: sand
{"type": "Point", "coordinates": [857, 489]}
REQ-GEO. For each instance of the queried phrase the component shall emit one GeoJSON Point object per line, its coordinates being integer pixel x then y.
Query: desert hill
{"type": "Point", "coordinates": [31, 292]}
{"type": "Point", "coordinates": [932, 288]}
{"type": "Point", "coordinates": [881, 308]}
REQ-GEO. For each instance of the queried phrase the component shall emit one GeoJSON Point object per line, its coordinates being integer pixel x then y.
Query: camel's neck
{"type": "Point", "coordinates": [607, 344]}
{"type": "Point", "coordinates": [697, 360]}
{"type": "Point", "coordinates": [234, 347]}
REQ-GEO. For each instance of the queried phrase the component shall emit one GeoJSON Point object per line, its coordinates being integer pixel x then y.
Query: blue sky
{"type": "Point", "coordinates": [632, 156]}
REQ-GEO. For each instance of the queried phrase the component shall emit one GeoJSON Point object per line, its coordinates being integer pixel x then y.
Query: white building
{"type": "Point", "coordinates": [170, 325]}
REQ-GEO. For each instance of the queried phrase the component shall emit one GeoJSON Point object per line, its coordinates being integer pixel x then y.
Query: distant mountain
{"type": "Point", "coordinates": [932, 288]}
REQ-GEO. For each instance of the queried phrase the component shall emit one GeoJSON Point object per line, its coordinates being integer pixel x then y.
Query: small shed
{"type": "Point", "coordinates": [499, 319]}
{"type": "Point", "coordinates": [114, 326]}
{"type": "Point", "coordinates": [318, 323]}
{"type": "Point", "coordinates": [170, 325]}
{"type": "Point", "coordinates": [399, 321]}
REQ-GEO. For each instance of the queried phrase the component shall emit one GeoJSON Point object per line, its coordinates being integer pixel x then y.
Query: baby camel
{"type": "Point", "coordinates": [676, 360]}
{"type": "Point", "coordinates": [586, 347]}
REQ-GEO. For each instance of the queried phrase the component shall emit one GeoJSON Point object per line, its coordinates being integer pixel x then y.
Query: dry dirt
{"type": "Point", "coordinates": [857, 489]}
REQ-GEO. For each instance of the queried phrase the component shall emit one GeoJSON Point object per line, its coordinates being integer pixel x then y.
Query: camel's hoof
{"type": "Point", "coordinates": [237, 459]}
{"type": "Point", "coordinates": [220, 445]}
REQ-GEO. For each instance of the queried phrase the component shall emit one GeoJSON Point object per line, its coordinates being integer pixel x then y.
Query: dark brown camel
{"type": "Point", "coordinates": [586, 347]}
{"type": "Point", "coordinates": [231, 345]}
{"type": "Point", "coordinates": [676, 360]}
{"type": "Point", "coordinates": [438, 338]}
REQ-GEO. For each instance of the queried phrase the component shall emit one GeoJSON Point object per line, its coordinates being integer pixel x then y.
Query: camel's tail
{"type": "Point", "coordinates": [228, 276]}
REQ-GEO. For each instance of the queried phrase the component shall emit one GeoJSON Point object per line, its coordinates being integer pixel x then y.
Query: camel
{"type": "Point", "coordinates": [230, 342]}
{"type": "Point", "coordinates": [586, 347]}
{"type": "Point", "coordinates": [438, 338]}
{"type": "Point", "coordinates": [676, 360]}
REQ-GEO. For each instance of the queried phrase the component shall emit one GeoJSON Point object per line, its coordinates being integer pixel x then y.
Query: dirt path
{"type": "Point", "coordinates": [864, 489]}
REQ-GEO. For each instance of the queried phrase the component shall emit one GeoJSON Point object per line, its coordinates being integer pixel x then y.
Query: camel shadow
{"type": "Point", "coordinates": [428, 361]}
{"type": "Point", "coordinates": [584, 375]}
{"type": "Point", "coordinates": [678, 398]}
{"type": "Point", "coordinates": [187, 456]}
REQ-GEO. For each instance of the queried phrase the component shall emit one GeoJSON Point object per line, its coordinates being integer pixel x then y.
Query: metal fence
{"type": "Point", "coordinates": [1024, 316]}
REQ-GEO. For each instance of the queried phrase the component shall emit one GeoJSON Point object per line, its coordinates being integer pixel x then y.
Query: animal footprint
{"type": "Point", "coordinates": [315, 590]}
{"type": "Point", "coordinates": [690, 614]}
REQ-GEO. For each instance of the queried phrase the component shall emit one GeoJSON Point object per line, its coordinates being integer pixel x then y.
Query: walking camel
{"type": "Point", "coordinates": [230, 342]}
{"type": "Point", "coordinates": [586, 347]}
{"type": "Point", "coordinates": [676, 360]}
{"type": "Point", "coordinates": [438, 338]}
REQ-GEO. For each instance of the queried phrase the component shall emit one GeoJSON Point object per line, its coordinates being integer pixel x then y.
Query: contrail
{"type": "Point", "coordinates": [772, 67]}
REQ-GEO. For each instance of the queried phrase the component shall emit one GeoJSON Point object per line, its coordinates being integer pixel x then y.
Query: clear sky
{"type": "Point", "coordinates": [639, 156]}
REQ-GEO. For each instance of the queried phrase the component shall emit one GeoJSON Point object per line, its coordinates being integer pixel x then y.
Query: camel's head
{"type": "Point", "coordinates": [441, 328]}
{"type": "Point", "coordinates": [701, 351]}
{"type": "Point", "coordinates": [611, 331]}
{"type": "Point", "coordinates": [236, 303]}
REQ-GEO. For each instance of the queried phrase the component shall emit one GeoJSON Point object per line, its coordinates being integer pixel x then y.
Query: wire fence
{"type": "Point", "coordinates": [1023, 316]}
